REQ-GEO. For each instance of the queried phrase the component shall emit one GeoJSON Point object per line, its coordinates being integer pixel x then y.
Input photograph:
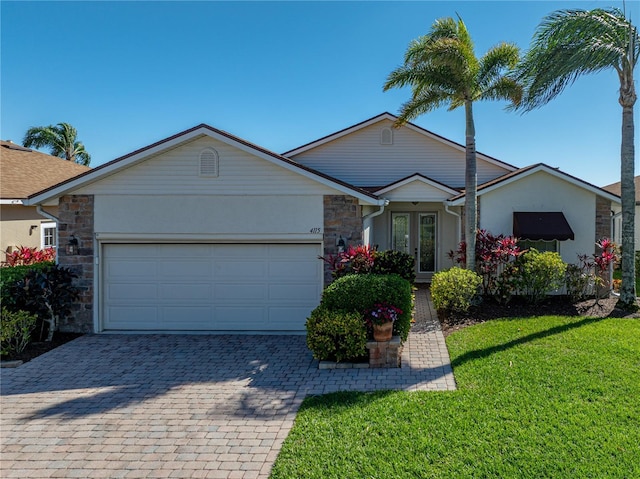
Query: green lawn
{"type": "Point", "coordinates": [548, 397]}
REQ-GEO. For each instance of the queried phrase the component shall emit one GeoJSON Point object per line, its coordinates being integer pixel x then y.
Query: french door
{"type": "Point", "coordinates": [415, 234]}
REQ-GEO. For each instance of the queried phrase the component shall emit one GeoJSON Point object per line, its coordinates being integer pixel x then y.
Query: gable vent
{"type": "Point", "coordinates": [209, 163]}
{"type": "Point", "coordinates": [386, 136]}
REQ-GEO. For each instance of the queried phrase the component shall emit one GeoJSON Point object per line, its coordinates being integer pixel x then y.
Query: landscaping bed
{"type": "Point", "coordinates": [35, 349]}
{"type": "Point", "coordinates": [520, 308]}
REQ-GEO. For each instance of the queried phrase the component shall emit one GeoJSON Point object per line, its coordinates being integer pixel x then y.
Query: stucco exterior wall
{"type": "Point", "coordinates": [16, 226]}
{"type": "Point", "coordinates": [542, 191]}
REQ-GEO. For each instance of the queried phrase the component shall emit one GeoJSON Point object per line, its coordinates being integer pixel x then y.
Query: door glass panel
{"type": "Point", "coordinates": [427, 243]}
{"type": "Point", "coordinates": [400, 232]}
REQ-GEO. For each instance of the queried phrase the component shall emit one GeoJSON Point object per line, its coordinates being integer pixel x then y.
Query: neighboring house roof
{"type": "Point", "coordinates": [528, 170]}
{"type": "Point", "coordinates": [393, 118]}
{"type": "Point", "coordinates": [616, 188]}
{"type": "Point", "coordinates": [145, 153]}
{"type": "Point", "coordinates": [25, 171]}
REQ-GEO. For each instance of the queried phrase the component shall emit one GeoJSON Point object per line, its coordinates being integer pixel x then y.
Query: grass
{"type": "Point", "coordinates": [547, 397]}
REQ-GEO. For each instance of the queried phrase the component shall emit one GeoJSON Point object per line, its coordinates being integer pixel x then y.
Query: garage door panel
{"type": "Point", "coordinates": [293, 292]}
{"type": "Point", "coordinates": [196, 268]}
{"type": "Point", "coordinates": [227, 287]}
{"type": "Point", "coordinates": [185, 291]}
{"type": "Point", "coordinates": [132, 291]}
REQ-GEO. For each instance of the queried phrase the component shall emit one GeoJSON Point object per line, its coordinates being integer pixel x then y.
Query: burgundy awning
{"type": "Point", "coordinates": [541, 225]}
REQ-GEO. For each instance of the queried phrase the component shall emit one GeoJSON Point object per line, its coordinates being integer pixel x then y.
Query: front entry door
{"type": "Point", "coordinates": [415, 234]}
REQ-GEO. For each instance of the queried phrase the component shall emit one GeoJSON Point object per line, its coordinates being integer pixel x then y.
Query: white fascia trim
{"type": "Point", "coordinates": [413, 178]}
{"type": "Point", "coordinates": [552, 171]}
{"type": "Point", "coordinates": [11, 202]}
{"type": "Point", "coordinates": [208, 238]}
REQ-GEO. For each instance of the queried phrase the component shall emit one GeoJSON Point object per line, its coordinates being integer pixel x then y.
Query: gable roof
{"type": "Point", "coordinates": [616, 188]}
{"type": "Point", "coordinates": [529, 170]}
{"type": "Point", "coordinates": [26, 171]}
{"type": "Point", "coordinates": [171, 142]}
{"type": "Point", "coordinates": [416, 177]}
{"type": "Point", "coordinates": [393, 118]}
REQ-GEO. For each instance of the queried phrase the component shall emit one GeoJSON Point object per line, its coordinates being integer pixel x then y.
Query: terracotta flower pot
{"type": "Point", "coordinates": [383, 332]}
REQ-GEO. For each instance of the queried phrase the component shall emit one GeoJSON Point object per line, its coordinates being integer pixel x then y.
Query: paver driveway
{"type": "Point", "coordinates": [175, 405]}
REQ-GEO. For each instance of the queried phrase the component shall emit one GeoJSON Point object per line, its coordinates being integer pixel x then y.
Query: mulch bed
{"type": "Point", "coordinates": [35, 349]}
{"type": "Point", "coordinates": [518, 308]}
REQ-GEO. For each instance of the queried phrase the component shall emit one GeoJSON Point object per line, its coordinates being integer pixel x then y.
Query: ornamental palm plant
{"type": "Point", "coordinates": [61, 140]}
{"type": "Point", "coordinates": [568, 44]}
{"type": "Point", "coordinates": [442, 69]}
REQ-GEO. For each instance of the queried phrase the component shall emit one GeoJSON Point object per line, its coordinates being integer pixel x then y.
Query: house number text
{"type": "Point", "coordinates": [314, 230]}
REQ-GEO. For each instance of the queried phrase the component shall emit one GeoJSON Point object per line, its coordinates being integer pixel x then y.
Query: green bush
{"type": "Point", "coordinates": [15, 331]}
{"type": "Point", "coordinates": [11, 275]}
{"type": "Point", "coordinates": [358, 293]}
{"type": "Point", "coordinates": [540, 274]}
{"type": "Point", "coordinates": [336, 335]}
{"type": "Point", "coordinates": [395, 262]}
{"type": "Point", "coordinates": [455, 289]}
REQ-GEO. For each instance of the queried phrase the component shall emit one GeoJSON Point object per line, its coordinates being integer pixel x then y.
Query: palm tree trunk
{"type": "Point", "coordinates": [628, 194]}
{"type": "Point", "coordinates": [470, 187]}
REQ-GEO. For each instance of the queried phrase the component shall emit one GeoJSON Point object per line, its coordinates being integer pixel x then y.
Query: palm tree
{"type": "Point", "coordinates": [442, 69]}
{"type": "Point", "coordinates": [61, 139]}
{"type": "Point", "coordinates": [567, 44]}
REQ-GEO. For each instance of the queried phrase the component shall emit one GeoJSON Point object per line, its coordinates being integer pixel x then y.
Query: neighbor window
{"type": "Point", "coordinates": [48, 235]}
{"type": "Point", "coordinates": [540, 245]}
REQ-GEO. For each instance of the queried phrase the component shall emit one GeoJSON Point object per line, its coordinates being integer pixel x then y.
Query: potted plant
{"type": "Point", "coordinates": [381, 318]}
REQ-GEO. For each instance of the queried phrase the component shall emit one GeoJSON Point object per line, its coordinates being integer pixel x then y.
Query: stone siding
{"type": "Point", "coordinates": [76, 218]}
{"type": "Point", "coordinates": [342, 217]}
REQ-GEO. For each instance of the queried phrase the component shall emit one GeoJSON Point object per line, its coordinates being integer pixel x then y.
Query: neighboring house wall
{"type": "Point", "coordinates": [17, 224]}
{"type": "Point", "coordinates": [360, 159]}
{"type": "Point", "coordinates": [541, 191]}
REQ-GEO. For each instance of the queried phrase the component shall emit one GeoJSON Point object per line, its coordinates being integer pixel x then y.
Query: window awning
{"type": "Point", "coordinates": [541, 225]}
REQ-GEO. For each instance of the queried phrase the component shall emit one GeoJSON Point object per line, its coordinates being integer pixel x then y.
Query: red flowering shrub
{"type": "Point", "coordinates": [25, 256]}
{"type": "Point", "coordinates": [355, 260]}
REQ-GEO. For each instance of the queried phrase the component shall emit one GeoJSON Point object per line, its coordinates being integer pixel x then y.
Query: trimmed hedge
{"type": "Point", "coordinates": [455, 289]}
{"type": "Point", "coordinates": [395, 262]}
{"type": "Point", "coordinates": [336, 335]}
{"type": "Point", "coordinates": [360, 292]}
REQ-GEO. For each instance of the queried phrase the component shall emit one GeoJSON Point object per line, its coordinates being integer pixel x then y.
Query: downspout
{"type": "Point", "coordinates": [377, 213]}
{"type": "Point", "coordinates": [385, 203]}
{"type": "Point", "coordinates": [42, 212]}
{"type": "Point", "coordinates": [447, 210]}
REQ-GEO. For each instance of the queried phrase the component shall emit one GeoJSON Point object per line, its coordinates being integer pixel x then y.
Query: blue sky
{"type": "Point", "coordinates": [278, 74]}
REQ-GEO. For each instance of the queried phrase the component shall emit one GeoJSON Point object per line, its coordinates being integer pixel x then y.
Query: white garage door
{"type": "Point", "coordinates": [210, 287]}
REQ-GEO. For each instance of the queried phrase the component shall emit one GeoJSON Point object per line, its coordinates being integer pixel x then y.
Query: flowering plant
{"type": "Point", "coordinates": [382, 313]}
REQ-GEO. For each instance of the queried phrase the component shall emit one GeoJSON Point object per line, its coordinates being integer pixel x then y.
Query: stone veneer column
{"type": "Point", "coordinates": [603, 219]}
{"type": "Point", "coordinates": [342, 217]}
{"type": "Point", "coordinates": [76, 218]}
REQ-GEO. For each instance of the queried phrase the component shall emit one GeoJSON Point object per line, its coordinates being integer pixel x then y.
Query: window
{"type": "Point", "coordinates": [48, 235]}
{"type": "Point", "coordinates": [540, 245]}
{"type": "Point", "coordinates": [386, 136]}
{"type": "Point", "coordinates": [209, 163]}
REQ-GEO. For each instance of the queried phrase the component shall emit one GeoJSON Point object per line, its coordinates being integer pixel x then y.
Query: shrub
{"type": "Point", "coordinates": [336, 335]}
{"type": "Point", "coordinates": [355, 260]}
{"type": "Point", "coordinates": [15, 331]}
{"type": "Point", "coordinates": [11, 275]}
{"type": "Point", "coordinates": [395, 262]}
{"type": "Point", "coordinates": [359, 293]}
{"type": "Point", "coordinates": [540, 274]}
{"type": "Point", "coordinates": [455, 289]}
{"type": "Point", "coordinates": [25, 256]}
{"type": "Point", "coordinates": [48, 293]}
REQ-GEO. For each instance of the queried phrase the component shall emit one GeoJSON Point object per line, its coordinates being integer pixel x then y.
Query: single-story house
{"type": "Point", "coordinates": [23, 172]}
{"type": "Point", "coordinates": [206, 231]}
{"type": "Point", "coordinates": [615, 188]}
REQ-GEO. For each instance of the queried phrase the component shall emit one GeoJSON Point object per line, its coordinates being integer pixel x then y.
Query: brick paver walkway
{"type": "Point", "coordinates": [178, 406]}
